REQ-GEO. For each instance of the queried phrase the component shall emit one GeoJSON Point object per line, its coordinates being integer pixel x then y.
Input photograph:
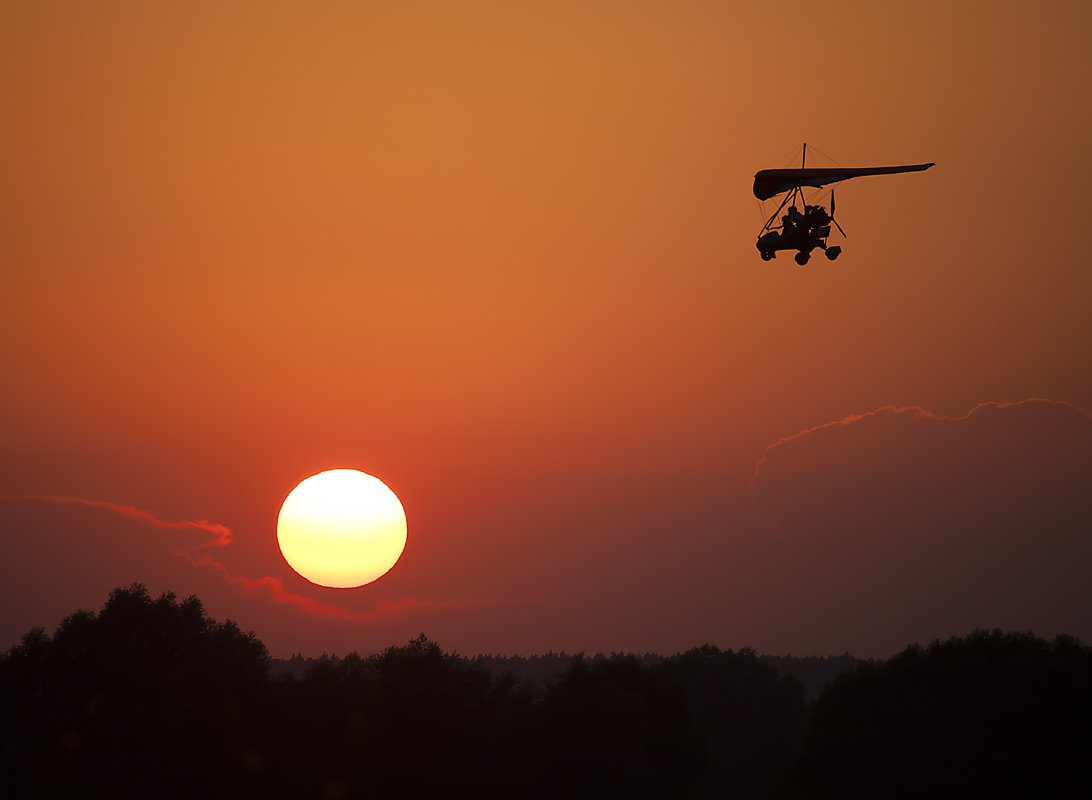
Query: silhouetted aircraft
{"type": "Point", "coordinates": [806, 229]}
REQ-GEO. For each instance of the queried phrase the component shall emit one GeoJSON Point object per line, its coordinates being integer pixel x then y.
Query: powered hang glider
{"type": "Point", "coordinates": [806, 228]}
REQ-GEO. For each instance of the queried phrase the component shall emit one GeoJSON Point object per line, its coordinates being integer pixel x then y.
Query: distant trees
{"type": "Point", "coordinates": [750, 717]}
{"type": "Point", "coordinates": [410, 721]}
{"type": "Point", "coordinates": [990, 715]}
{"type": "Point", "coordinates": [702, 724]}
{"type": "Point", "coordinates": [615, 729]}
{"type": "Point", "coordinates": [150, 697]}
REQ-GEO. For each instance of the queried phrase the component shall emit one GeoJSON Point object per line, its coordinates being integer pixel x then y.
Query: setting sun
{"type": "Point", "coordinates": [341, 528]}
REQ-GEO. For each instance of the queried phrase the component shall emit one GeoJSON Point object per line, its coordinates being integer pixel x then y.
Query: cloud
{"type": "Point", "coordinates": [274, 588]}
{"type": "Point", "coordinates": [913, 412]}
{"type": "Point", "coordinates": [899, 523]}
{"type": "Point", "coordinates": [221, 536]}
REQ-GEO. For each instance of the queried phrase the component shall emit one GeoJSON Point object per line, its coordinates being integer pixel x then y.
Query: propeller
{"type": "Point", "coordinates": [832, 219]}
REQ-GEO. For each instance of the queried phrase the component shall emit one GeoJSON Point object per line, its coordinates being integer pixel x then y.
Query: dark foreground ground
{"type": "Point", "coordinates": [151, 698]}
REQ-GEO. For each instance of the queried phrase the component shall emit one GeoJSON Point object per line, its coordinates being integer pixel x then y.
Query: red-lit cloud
{"type": "Point", "coordinates": [900, 524]}
{"type": "Point", "coordinates": [912, 411]}
{"type": "Point", "coordinates": [276, 591]}
{"type": "Point", "coordinates": [221, 536]}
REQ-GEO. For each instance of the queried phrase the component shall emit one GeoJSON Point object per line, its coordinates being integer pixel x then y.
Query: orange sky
{"type": "Point", "coordinates": [501, 255]}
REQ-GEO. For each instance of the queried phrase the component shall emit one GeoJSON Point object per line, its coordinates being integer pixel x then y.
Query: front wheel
{"type": "Point", "coordinates": [766, 254]}
{"type": "Point", "coordinates": [833, 252]}
{"type": "Point", "coordinates": [802, 258]}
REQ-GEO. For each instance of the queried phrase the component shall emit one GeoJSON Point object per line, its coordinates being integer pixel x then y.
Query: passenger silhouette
{"type": "Point", "coordinates": [791, 223]}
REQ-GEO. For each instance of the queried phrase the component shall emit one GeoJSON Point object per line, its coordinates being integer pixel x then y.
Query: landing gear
{"type": "Point", "coordinates": [767, 254]}
{"type": "Point", "coordinates": [833, 252]}
{"type": "Point", "coordinates": [802, 258]}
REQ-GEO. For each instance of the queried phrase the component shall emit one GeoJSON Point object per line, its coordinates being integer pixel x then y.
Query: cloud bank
{"type": "Point", "coordinates": [899, 523]}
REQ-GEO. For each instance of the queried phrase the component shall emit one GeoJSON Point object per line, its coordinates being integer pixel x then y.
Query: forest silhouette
{"type": "Point", "coordinates": [150, 697]}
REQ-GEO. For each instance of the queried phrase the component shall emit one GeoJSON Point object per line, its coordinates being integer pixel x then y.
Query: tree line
{"type": "Point", "coordinates": [151, 697]}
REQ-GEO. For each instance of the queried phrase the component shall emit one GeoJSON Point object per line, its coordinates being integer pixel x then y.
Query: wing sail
{"type": "Point", "coordinates": [769, 182]}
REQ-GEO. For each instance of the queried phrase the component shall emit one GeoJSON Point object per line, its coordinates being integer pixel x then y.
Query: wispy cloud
{"type": "Point", "coordinates": [274, 588]}
{"type": "Point", "coordinates": [221, 536]}
{"type": "Point", "coordinates": [912, 411]}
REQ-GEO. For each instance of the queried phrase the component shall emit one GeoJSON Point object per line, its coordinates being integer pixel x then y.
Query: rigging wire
{"type": "Point", "coordinates": [827, 156]}
{"type": "Point", "coordinates": [789, 160]}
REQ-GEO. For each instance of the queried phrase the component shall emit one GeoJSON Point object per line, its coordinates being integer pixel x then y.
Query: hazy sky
{"type": "Point", "coordinates": [501, 255]}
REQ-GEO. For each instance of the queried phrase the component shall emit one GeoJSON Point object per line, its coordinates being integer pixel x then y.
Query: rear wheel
{"type": "Point", "coordinates": [833, 252]}
{"type": "Point", "coordinates": [766, 254]}
{"type": "Point", "coordinates": [802, 258]}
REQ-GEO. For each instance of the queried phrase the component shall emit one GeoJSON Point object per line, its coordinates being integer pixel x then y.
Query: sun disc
{"type": "Point", "coordinates": [341, 528]}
